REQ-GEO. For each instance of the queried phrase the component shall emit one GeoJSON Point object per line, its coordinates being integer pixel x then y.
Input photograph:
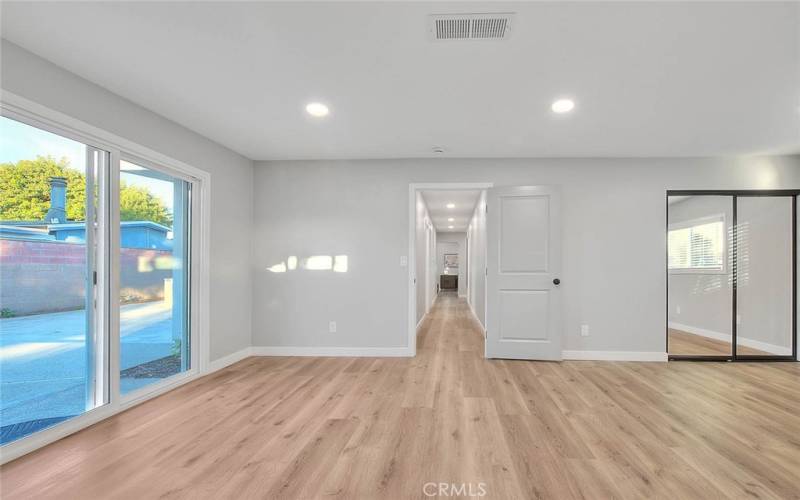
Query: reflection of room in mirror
{"type": "Point", "coordinates": [702, 257]}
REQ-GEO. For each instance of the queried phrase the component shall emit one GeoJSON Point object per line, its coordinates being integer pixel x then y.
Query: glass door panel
{"type": "Point", "coordinates": [154, 276]}
{"type": "Point", "coordinates": [764, 298]}
{"type": "Point", "coordinates": [699, 275]}
{"type": "Point", "coordinates": [50, 327]}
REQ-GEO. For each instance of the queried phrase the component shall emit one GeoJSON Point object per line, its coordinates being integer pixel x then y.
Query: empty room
{"type": "Point", "coordinates": [390, 250]}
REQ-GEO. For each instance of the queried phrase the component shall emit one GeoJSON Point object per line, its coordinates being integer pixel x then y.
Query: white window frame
{"type": "Point", "coordinates": [699, 221]}
{"type": "Point", "coordinates": [107, 324]}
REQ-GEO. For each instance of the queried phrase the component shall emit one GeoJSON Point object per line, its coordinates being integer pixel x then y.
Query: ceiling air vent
{"type": "Point", "coordinates": [470, 26]}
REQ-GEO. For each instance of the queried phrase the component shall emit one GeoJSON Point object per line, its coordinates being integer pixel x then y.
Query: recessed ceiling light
{"type": "Point", "coordinates": [317, 109]}
{"type": "Point", "coordinates": [450, 219]}
{"type": "Point", "coordinates": [563, 106]}
{"type": "Point", "coordinates": [451, 205]}
{"type": "Point", "coordinates": [450, 227]}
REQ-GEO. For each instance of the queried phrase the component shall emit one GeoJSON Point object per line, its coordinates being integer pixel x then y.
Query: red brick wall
{"type": "Point", "coordinates": [39, 277]}
{"type": "Point", "coordinates": [40, 252]}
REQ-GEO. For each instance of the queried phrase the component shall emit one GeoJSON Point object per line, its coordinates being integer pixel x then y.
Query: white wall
{"type": "Point", "coordinates": [425, 242]}
{"type": "Point", "coordinates": [31, 77]}
{"type": "Point", "coordinates": [704, 300]}
{"type": "Point", "coordinates": [453, 243]}
{"type": "Point", "coordinates": [613, 226]}
{"type": "Point", "coordinates": [476, 236]}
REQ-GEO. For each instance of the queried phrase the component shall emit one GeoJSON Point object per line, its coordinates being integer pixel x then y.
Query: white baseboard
{"type": "Point", "coordinates": [763, 346]}
{"type": "Point", "coordinates": [711, 334]}
{"type": "Point", "coordinates": [472, 310]}
{"type": "Point", "coordinates": [349, 352]}
{"type": "Point", "coordinates": [230, 359]}
{"type": "Point", "coordinates": [724, 337]}
{"type": "Point", "coordinates": [614, 355]}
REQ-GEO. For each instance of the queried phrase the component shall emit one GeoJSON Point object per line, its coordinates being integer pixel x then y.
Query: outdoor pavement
{"type": "Point", "coordinates": [42, 359]}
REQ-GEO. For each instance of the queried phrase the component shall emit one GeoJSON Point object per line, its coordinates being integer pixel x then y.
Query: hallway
{"type": "Point", "coordinates": [270, 427]}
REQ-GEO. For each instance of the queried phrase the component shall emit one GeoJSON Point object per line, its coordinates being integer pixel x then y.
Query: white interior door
{"type": "Point", "coordinates": [523, 319]}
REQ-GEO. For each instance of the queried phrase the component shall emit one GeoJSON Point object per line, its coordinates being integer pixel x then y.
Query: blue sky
{"type": "Point", "coordinates": [19, 141]}
{"type": "Point", "coordinates": [23, 142]}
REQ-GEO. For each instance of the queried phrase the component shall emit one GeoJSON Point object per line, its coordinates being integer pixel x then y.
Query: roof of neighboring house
{"type": "Point", "coordinates": [131, 223]}
{"type": "Point", "coordinates": [12, 232]}
{"type": "Point", "coordinates": [42, 231]}
{"type": "Point", "coordinates": [82, 225]}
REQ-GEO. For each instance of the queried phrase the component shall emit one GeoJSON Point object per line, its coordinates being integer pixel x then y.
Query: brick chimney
{"type": "Point", "coordinates": [58, 201]}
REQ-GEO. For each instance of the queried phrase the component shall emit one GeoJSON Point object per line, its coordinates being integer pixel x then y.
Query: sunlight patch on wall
{"type": "Point", "coordinates": [337, 264]}
{"type": "Point", "coordinates": [277, 268]}
{"type": "Point", "coordinates": [340, 264]}
{"type": "Point", "coordinates": [319, 263]}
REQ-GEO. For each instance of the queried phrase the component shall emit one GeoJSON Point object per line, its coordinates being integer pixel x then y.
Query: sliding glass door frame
{"type": "Point", "coordinates": [193, 359]}
{"type": "Point", "coordinates": [97, 260]}
{"type": "Point", "coordinates": [104, 266]}
{"type": "Point", "coordinates": [735, 194]}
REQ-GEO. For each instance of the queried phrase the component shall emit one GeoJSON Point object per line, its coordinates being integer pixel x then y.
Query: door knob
{"type": "Point", "coordinates": [556, 281]}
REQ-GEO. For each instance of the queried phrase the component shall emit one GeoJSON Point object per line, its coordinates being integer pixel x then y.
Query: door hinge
{"type": "Point", "coordinates": [94, 277]}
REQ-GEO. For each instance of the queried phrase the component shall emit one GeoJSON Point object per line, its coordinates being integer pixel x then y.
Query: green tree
{"type": "Point", "coordinates": [25, 193]}
{"type": "Point", "coordinates": [137, 203]}
{"type": "Point", "coordinates": [25, 189]}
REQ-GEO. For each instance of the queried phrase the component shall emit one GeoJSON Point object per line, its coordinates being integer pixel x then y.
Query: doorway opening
{"type": "Point", "coordinates": [447, 249]}
{"type": "Point", "coordinates": [732, 275]}
{"type": "Point", "coordinates": [508, 271]}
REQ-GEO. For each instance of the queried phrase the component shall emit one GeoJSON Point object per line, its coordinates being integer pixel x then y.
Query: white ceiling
{"type": "Point", "coordinates": [649, 79]}
{"type": "Point", "coordinates": [464, 202]}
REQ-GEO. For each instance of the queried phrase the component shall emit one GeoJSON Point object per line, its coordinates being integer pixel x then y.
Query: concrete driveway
{"type": "Point", "coordinates": [42, 359]}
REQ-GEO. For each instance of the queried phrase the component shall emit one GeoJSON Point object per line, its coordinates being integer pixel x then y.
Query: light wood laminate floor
{"type": "Point", "coordinates": [366, 428]}
{"type": "Point", "coordinates": [685, 343]}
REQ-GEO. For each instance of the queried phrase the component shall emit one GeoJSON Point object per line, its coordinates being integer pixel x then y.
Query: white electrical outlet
{"type": "Point", "coordinates": [332, 327]}
{"type": "Point", "coordinates": [403, 261]}
{"type": "Point", "coordinates": [677, 309]}
{"type": "Point", "coordinates": [584, 330]}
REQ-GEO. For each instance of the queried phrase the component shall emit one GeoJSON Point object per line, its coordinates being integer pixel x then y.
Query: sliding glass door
{"type": "Point", "coordinates": [154, 282]}
{"type": "Point", "coordinates": [51, 330]}
{"type": "Point", "coordinates": [67, 273]}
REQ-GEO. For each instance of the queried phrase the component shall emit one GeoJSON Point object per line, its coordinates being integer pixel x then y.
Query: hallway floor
{"type": "Point", "coordinates": [371, 428]}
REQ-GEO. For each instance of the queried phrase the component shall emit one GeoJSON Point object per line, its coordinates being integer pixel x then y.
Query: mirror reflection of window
{"type": "Point", "coordinates": [699, 275]}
